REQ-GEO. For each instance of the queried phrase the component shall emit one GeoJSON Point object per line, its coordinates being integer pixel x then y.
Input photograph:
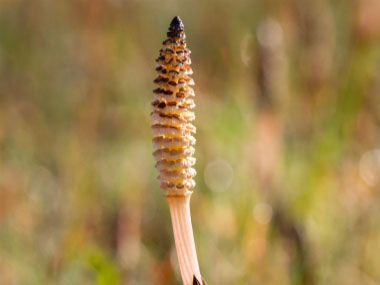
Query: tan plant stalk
{"type": "Point", "coordinates": [173, 142]}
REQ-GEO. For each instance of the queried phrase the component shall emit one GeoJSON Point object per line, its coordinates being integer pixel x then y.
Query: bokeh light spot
{"type": "Point", "coordinates": [218, 175]}
{"type": "Point", "coordinates": [369, 167]}
{"type": "Point", "coordinates": [263, 213]}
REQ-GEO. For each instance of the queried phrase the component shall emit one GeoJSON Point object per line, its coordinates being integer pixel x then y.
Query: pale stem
{"type": "Point", "coordinates": [184, 238]}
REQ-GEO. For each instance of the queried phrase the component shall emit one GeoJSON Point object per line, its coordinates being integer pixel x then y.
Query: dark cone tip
{"type": "Point", "coordinates": [176, 23]}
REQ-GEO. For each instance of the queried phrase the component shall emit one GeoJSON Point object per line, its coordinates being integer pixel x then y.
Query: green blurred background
{"type": "Point", "coordinates": [288, 142]}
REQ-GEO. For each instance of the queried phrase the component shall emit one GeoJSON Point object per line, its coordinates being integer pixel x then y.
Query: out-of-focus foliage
{"type": "Point", "coordinates": [288, 142]}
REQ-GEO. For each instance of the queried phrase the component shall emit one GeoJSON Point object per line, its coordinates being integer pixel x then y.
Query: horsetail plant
{"type": "Point", "coordinates": [173, 142]}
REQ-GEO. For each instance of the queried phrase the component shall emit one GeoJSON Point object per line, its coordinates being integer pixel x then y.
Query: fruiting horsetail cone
{"type": "Point", "coordinates": [171, 118]}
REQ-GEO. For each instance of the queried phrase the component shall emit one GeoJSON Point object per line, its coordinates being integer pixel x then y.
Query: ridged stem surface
{"type": "Point", "coordinates": [184, 238]}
